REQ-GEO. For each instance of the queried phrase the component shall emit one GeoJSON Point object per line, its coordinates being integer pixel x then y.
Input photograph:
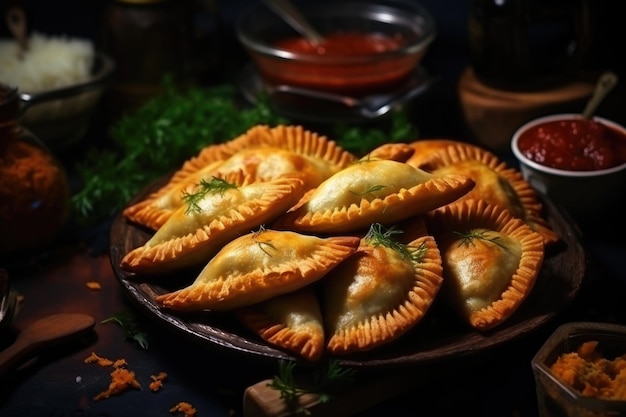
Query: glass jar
{"type": "Point", "coordinates": [34, 189]}
{"type": "Point", "coordinates": [529, 44]}
{"type": "Point", "coordinates": [150, 40]}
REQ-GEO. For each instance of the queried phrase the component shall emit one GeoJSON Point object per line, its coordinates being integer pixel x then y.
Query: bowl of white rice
{"type": "Point", "coordinates": [60, 80]}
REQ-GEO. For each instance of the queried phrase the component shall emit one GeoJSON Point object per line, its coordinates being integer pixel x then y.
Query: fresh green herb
{"type": "Point", "coordinates": [216, 186]}
{"type": "Point", "coordinates": [326, 379]}
{"type": "Point", "coordinates": [467, 238]}
{"type": "Point", "coordinates": [361, 139]}
{"type": "Point", "coordinates": [370, 190]}
{"type": "Point", "coordinates": [156, 139]}
{"type": "Point", "coordinates": [263, 245]}
{"type": "Point", "coordinates": [128, 323]}
{"type": "Point", "coordinates": [170, 128]}
{"type": "Point", "coordinates": [377, 235]}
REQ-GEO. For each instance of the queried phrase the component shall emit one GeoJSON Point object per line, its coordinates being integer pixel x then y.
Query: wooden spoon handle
{"type": "Point", "coordinates": [43, 333]}
{"type": "Point", "coordinates": [14, 355]}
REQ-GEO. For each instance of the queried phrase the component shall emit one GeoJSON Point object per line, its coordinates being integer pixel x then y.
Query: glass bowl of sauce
{"type": "Point", "coordinates": [369, 47]}
{"type": "Point", "coordinates": [579, 163]}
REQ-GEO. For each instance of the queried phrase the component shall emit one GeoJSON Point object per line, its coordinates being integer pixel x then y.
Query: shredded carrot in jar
{"type": "Point", "coordinates": [35, 195]}
{"type": "Point", "coordinates": [591, 374]}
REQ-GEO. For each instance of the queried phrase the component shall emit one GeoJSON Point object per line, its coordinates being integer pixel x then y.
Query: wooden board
{"type": "Point", "coordinates": [439, 336]}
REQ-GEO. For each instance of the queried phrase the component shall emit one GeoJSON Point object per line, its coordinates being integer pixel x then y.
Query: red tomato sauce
{"type": "Point", "coordinates": [357, 78]}
{"type": "Point", "coordinates": [343, 44]}
{"type": "Point", "coordinates": [574, 145]}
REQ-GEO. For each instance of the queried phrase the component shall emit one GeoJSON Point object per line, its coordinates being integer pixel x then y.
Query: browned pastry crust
{"type": "Point", "coordinates": [264, 152]}
{"type": "Point", "coordinates": [496, 182]}
{"type": "Point", "coordinates": [291, 321]}
{"type": "Point", "coordinates": [258, 266]}
{"type": "Point", "coordinates": [191, 236]}
{"type": "Point", "coordinates": [491, 260]}
{"type": "Point", "coordinates": [423, 149]}
{"type": "Point", "coordinates": [372, 191]}
{"type": "Point", "coordinates": [379, 294]}
{"type": "Point", "coordinates": [400, 152]}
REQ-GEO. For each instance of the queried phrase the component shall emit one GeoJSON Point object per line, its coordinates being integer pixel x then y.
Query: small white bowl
{"type": "Point", "coordinates": [581, 193]}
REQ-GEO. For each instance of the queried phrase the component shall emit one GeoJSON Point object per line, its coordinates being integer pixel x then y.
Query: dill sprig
{"type": "Point", "coordinates": [378, 235]}
{"type": "Point", "coordinates": [467, 238]}
{"type": "Point", "coordinates": [215, 186]}
{"type": "Point", "coordinates": [370, 190]}
{"type": "Point", "coordinates": [128, 323]}
{"type": "Point", "coordinates": [262, 245]}
{"type": "Point", "coordinates": [326, 379]}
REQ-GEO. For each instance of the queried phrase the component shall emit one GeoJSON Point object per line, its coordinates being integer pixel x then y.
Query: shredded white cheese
{"type": "Point", "coordinates": [50, 62]}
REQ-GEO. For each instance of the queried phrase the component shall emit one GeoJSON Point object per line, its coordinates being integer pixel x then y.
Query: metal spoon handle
{"type": "Point", "coordinates": [291, 15]}
{"type": "Point", "coordinates": [605, 84]}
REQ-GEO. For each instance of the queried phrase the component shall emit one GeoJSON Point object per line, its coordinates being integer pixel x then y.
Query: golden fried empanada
{"type": "Point", "coordinates": [372, 191]}
{"type": "Point", "coordinates": [217, 212]}
{"type": "Point", "coordinates": [496, 182]}
{"type": "Point", "coordinates": [153, 211]}
{"type": "Point", "coordinates": [258, 266]}
{"type": "Point", "coordinates": [491, 260]}
{"type": "Point", "coordinates": [264, 152]}
{"type": "Point", "coordinates": [400, 152]}
{"type": "Point", "coordinates": [291, 321]}
{"type": "Point", "coordinates": [380, 292]}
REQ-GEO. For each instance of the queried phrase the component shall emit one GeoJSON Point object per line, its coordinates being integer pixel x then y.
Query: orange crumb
{"type": "Point", "coordinates": [157, 381]}
{"type": "Point", "coordinates": [119, 363]}
{"type": "Point", "coordinates": [588, 372]}
{"type": "Point", "coordinates": [99, 360]}
{"type": "Point", "coordinates": [93, 285]}
{"type": "Point", "coordinates": [122, 378]}
{"type": "Point", "coordinates": [185, 408]}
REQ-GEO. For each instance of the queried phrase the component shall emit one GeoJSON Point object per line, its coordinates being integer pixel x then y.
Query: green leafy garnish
{"type": "Point", "coordinates": [370, 190]}
{"type": "Point", "coordinates": [326, 379]}
{"type": "Point", "coordinates": [262, 245]}
{"type": "Point", "coordinates": [215, 186]}
{"type": "Point", "coordinates": [378, 235]}
{"type": "Point", "coordinates": [361, 139]}
{"type": "Point", "coordinates": [128, 323]}
{"type": "Point", "coordinates": [156, 139]}
{"type": "Point", "coordinates": [169, 128]}
{"type": "Point", "coordinates": [467, 238]}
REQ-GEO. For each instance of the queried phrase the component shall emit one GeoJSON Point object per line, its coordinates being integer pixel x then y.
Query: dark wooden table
{"type": "Point", "coordinates": [59, 383]}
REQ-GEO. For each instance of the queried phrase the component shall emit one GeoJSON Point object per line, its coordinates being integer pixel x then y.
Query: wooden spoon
{"type": "Point", "coordinates": [44, 333]}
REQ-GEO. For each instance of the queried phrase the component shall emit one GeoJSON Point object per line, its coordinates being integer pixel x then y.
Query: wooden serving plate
{"type": "Point", "coordinates": [439, 336]}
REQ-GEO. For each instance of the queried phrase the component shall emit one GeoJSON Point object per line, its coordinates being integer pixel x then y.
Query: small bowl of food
{"type": "Point", "coordinates": [369, 46]}
{"type": "Point", "coordinates": [60, 80]}
{"type": "Point", "coordinates": [581, 371]}
{"type": "Point", "coordinates": [578, 162]}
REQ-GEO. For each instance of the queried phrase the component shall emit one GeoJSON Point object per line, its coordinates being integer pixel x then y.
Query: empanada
{"type": "Point", "coordinates": [372, 191]}
{"type": "Point", "coordinates": [496, 182]}
{"type": "Point", "coordinates": [264, 152]}
{"type": "Point", "coordinates": [380, 292]}
{"type": "Point", "coordinates": [215, 214]}
{"type": "Point", "coordinates": [291, 321]}
{"type": "Point", "coordinates": [258, 266]}
{"type": "Point", "coordinates": [491, 260]}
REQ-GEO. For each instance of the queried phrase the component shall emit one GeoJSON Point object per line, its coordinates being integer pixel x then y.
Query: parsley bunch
{"type": "Point", "coordinates": [174, 126]}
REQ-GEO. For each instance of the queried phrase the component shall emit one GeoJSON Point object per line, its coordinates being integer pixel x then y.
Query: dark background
{"type": "Point", "coordinates": [447, 58]}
